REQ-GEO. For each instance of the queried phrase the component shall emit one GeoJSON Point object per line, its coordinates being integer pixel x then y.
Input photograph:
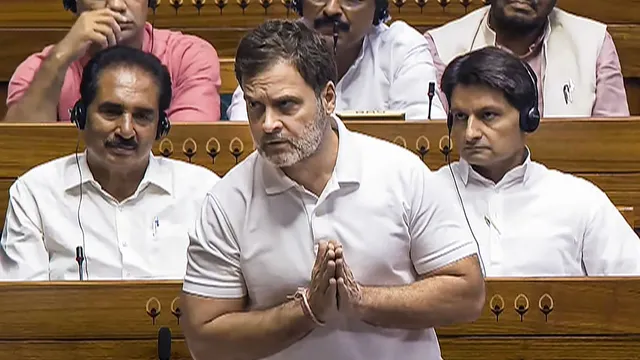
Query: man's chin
{"type": "Point", "coordinates": [476, 159]}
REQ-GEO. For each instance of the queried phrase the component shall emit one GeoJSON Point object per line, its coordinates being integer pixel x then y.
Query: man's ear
{"type": "Point", "coordinates": [329, 97]}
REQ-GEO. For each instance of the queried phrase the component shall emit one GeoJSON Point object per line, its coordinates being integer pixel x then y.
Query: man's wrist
{"type": "Point", "coordinates": [62, 55]}
{"type": "Point", "coordinates": [364, 304]}
{"type": "Point", "coordinates": [301, 297]}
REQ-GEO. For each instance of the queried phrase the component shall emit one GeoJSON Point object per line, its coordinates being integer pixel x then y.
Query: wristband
{"type": "Point", "coordinates": [301, 294]}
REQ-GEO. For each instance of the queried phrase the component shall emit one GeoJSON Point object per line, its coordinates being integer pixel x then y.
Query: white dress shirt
{"type": "Point", "coordinates": [538, 222]}
{"type": "Point", "coordinates": [51, 212]}
{"type": "Point", "coordinates": [258, 232]}
{"type": "Point", "coordinates": [392, 73]}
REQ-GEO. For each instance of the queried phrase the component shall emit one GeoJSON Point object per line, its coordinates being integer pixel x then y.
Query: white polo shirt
{"type": "Point", "coordinates": [258, 230]}
{"type": "Point", "coordinates": [392, 73]}
{"type": "Point", "coordinates": [538, 222]}
{"type": "Point", "coordinates": [142, 237]}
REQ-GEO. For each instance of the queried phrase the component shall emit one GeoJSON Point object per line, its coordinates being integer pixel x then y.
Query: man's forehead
{"type": "Point", "coordinates": [127, 86]}
{"type": "Point", "coordinates": [278, 80]}
{"type": "Point", "coordinates": [477, 96]}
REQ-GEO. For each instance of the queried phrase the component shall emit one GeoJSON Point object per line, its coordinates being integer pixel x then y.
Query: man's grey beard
{"type": "Point", "coordinates": [304, 146]}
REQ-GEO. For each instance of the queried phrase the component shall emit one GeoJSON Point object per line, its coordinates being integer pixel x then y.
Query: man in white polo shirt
{"type": "Point", "coordinates": [380, 67]}
{"type": "Point", "coordinates": [528, 220]}
{"type": "Point", "coordinates": [122, 211]}
{"type": "Point", "coordinates": [324, 244]}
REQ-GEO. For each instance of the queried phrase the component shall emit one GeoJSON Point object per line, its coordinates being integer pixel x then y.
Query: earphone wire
{"type": "Point", "coordinates": [84, 245]}
{"type": "Point", "coordinates": [464, 211]}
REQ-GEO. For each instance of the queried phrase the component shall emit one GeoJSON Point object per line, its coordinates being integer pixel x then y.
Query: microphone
{"type": "Point", "coordinates": [431, 94]}
{"type": "Point", "coordinates": [164, 343]}
{"type": "Point", "coordinates": [80, 261]}
{"type": "Point", "coordinates": [336, 23]}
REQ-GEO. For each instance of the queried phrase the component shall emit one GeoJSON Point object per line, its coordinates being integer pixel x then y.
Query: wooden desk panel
{"type": "Point", "coordinates": [573, 145]}
{"type": "Point", "coordinates": [590, 318]}
{"type": "Point", "coordinates": [119, 310]}
{"type": "Point", "coordinates": [494, 348]}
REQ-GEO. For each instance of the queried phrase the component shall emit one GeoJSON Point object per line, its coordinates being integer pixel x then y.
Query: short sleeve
{"type": "Point", "coordinates": [22, 78]}
{"type": "Point", "coordinates": [610, 246]}
{"type": "Point", "coordinates": [213, 256]}
{"type": "Point", "coordinates": [439, 233]}
{"type": "Point", "coordinates": [196, 90]}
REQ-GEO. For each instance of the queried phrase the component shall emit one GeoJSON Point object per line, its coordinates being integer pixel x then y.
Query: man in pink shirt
{"type": "Point", "coordinates": [574, 57]}
{"type": "Point", "coordinates": [46, 85]}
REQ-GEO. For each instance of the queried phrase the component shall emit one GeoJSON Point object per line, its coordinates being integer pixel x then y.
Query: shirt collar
{"type": "Point", "coordinates": [348, 168]}
{"type": "Point", "coordinates": [520, 173]}
{"type": "Point", "coordinates": [490, 35]}
{"type": "Point", "coordinates": [156, 174]}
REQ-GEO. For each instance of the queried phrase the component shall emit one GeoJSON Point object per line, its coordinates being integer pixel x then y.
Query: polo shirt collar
{"type": "Point", "coordinates": [348, 168]}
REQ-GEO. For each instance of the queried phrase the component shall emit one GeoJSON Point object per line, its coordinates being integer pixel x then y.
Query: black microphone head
{"type": "Point", "coordinates": [79, 254]}
{"type": "Point", "coordinates": [164, 343]}
{"type": "Point", "coordinates": [432, 88]}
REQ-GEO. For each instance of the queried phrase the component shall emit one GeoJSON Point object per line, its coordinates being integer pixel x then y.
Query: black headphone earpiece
{"type": "Point", "coordinates": [164, 126]}
{"type": "Point", "coordinates": [79, 118]}
{"type": "Point", "coordinates": [530, 117]}
{"type": "Point", "coordinates": [70, 5]}
{"type": "Point", "coordinates": [79, 114]}
{"type": "Point", "coordinates": [449, 121]}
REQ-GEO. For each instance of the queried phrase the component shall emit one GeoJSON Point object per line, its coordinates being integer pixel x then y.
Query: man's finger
{"type": "Point", "coordinates": [340, 268]}
{"type": "Point", "coordinates": [339, 252]}
{"type": "Point", "coordinates": [327, 275]}
{"type": "Point", "coordinates": [322, 249]}
{"type": "Point", "coordinates": [342, 294]}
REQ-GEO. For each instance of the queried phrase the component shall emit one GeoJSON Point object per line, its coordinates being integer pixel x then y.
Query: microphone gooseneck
{"type": "Point", "coordinates": [431, 94]}
{"type": "Point", "coordinates": [336, 23]}
{"type": "Point", "coordinates": [80, 261]}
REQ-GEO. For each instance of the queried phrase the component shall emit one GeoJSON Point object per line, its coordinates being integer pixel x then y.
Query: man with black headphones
{"type": "Point", "coordinates": [528, 220]}
{"type": "Point", "coordinates": [45, 86]}
{"type": "Point", "coordinates": [380, 67]}
{"type": "Point", "coordinates": [119, 211]}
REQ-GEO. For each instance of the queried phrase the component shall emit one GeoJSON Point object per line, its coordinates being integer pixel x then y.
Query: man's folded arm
{"type": "Point", "coordinates": [217, 319]}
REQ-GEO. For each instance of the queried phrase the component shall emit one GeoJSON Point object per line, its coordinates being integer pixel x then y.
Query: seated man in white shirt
{"type": "Point", "coordinates": [380, 67]}
{"type": "Point", "coordinates": [354, 226]}
{"type": "Point", "coordinates": [528, 220]}
{"type": "Point", "coordinates": [125, 212]}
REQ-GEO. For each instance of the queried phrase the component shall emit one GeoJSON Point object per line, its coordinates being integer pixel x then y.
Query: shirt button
{"type": "Point", "coordinates": [124, 244]}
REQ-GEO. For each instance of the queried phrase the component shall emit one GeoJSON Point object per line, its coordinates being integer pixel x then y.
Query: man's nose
{"type": "Point", "coordinates": [125, 127]}
{"type": "Point", "coordinates": [472, 131]}
{"type": "Point", "coordinates": [117, 5]}
{"type": "Point", "coordinates": [271, 123]}
{"type": "Point", "coordinates": [333, 9]}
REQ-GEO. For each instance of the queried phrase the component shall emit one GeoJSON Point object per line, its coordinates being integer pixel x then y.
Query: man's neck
{"type": "Point", "coordinates": [315, 171]}
{"type": "Point", "coordinates": [119, 184]}
{"type": "Point", "coordinates": [517, 42]}
{"type": "Point", "coordinates": [347, 58]}
{"type": "Point", "coordinates": [496, 172]}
